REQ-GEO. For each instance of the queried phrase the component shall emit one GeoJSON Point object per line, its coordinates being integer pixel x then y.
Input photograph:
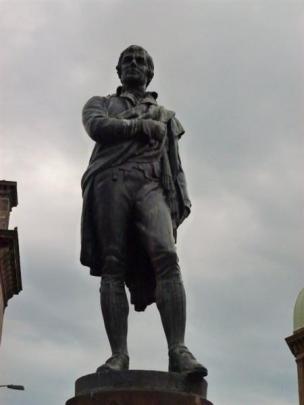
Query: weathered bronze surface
{"type": "Point", "coordinates": [134, 199]}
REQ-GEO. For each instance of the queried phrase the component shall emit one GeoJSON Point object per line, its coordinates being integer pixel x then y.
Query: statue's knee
{"type": "Point", "coordinates": [113, 268]}
{"type": "Point", "coordinates": [166, 267]}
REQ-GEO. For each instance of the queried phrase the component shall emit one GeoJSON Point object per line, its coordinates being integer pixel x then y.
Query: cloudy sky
{"type": "Point", "coordinates": [233, 72]}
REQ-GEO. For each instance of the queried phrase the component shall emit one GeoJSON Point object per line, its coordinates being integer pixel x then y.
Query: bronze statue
{"type": "Point", "coordinates": [134, 199]}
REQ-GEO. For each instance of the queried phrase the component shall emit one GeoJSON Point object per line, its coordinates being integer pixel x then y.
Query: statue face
{"type": "Point", "coordinates": [134, 67]}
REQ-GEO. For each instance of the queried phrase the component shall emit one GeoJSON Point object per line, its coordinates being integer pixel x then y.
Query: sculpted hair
{"type": "Point", "coordinates": [149, 59]}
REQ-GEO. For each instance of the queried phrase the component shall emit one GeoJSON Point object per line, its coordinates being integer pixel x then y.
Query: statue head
{"type": "Point", "coordinates": [135, 66]}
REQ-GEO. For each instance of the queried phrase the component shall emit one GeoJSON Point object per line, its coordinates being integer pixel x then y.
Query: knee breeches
{"type": "Point", "coordinates": [133, 198]}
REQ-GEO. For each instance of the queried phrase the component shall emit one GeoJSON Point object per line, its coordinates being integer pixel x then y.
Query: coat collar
{"type": "Point", "coordinates": [149, 97]}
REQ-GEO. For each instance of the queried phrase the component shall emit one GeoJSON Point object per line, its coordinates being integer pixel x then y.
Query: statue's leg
{"type": "Point", "coordinates": [111, 212]}
{"type": "Point", "coordinates": [155, 228]}
{"type": "Point", "coordinates": [115, 310]}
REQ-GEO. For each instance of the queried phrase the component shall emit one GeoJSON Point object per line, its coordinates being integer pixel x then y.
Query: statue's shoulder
{"type": "Point", "coordinates": [98, 102]}
{"type": "Point", "coordinates": [173, 122]}
{"type": "Point", "coordinates": [176, 127]}
{"type": "Point", "coordinates": [99, 99]}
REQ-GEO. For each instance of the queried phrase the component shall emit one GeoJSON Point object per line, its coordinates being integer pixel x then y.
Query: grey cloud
{"type": "Point", "coordinates": [233, 73]}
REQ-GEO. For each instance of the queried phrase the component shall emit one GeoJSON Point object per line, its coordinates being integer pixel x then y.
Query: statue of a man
{"type": "Point", "coordinates": [135, 197]}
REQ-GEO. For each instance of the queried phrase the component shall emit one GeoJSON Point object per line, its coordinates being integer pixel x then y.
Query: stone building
{"type": "Point", "coordinates": [296, 342]}
{"type": "Point", "coordinates": [10, 275]}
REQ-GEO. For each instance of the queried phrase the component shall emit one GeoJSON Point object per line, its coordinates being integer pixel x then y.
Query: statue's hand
{"type": "Point", "coordinates": [153, 130]}
{"type": "Point", "coordinates": [160, 131]}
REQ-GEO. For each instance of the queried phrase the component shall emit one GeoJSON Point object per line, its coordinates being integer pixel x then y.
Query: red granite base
{"type": "Point", "coordinates": [127, 397]}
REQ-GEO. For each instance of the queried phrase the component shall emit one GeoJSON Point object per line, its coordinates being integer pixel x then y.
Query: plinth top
{"type": "Point", "coordinates": [298, 314]}
{"type": "Point", "coordinates": [140, 380]}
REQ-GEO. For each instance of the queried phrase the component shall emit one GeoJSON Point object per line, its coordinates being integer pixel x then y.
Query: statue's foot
{"type": "Point", "coordinates": [117, 362]}
{"type": "Point", "coordinates": [181, 360]}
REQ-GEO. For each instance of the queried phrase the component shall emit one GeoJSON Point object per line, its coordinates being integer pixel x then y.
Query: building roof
{"type": "Point", "coordinates": [298, 314]}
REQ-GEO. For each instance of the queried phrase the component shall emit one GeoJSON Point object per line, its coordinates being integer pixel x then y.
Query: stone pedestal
{"type": "Point", "coordinates": [296, 345]}
{"type": "Point", "coordinates": [137, 387]}
{"type": "Point", "coordinates": [10, 275]}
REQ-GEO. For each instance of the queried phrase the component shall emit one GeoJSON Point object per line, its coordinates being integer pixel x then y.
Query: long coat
{"type": "Point", "coordinates": [140, 278]}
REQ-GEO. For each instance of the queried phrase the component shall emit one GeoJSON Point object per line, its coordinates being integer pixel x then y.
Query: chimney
{"type": "Point", "coordinates": [8, 200]}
